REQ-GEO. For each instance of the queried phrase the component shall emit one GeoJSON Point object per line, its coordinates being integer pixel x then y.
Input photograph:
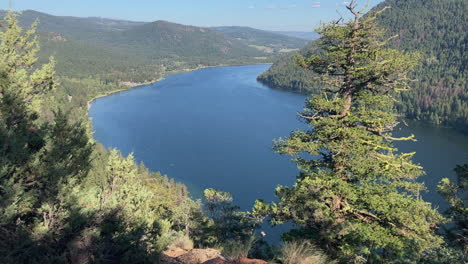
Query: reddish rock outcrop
{"type": "Point", "coordinates": [169, 256]}
{"type": "Point", "coordinates": [248, 261]}
{"type": "Point", "coordinates": [198, 256]}
{"type": "Point", "coordinates": [201, 256]}
{"type": "Point", "coordinates": [218, 260]}
{"type": "Point", "coordinates": [194, 256]}
{"type": "Point", "coordinates": [239, 261]}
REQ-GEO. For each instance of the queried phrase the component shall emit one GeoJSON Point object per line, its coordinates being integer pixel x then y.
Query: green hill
{"type": "Point", "coordinates": [77, 28]}
{"type": "Point", "coordinates": [163, 39]}
{"type": "Point", "coordinates": [437, 30]}
{"type": "Point", "coordinates": [263, 40]}
{"type": "Point", "coordinates": [133, 51]}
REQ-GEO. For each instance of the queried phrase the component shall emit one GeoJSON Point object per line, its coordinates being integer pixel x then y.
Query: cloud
{"type": "Point", "coordinates": [343, 3]}
{"type": "Point", "coordinates": [316, 5]}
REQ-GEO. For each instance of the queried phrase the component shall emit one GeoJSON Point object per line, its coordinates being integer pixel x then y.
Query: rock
{"type": "Point", "coordinates": [218, 260]}
{"type": "Point", "coordinates": [194, 256]}
{"type": "Point", "coordinates": [248, 261]}
{"type": "Point", "coordinates": [57, 37]}
{"type": "Point", "coordinates": [201, 256]}
{"type": "Point", "coordinates": [169, 256]}
{"type": "Point", "coordinates": [198, 256]}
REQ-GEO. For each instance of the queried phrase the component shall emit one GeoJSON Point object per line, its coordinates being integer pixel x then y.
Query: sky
{"type": "Point", "coordinates": [289, 15]}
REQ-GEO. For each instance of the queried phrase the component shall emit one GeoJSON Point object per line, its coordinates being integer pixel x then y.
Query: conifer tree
{"type": "Point", "coordinates": [18, 63]}
{"type": "Point", "coordinates": [356, 195]}
{"type": "Point", "coordinates": [230, 224]}
{"type": "Point", "coordinates": [40, 163]}
{"type": "Point", "coordinates": [21, 139]}
{"type": "Point", "coordinates": [455, 194]}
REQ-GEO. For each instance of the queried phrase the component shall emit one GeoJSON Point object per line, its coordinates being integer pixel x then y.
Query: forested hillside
{"type": "Point", "coordinates": [165, 39]}
{"type": "Point", "coordinates": [286, 74]}
{"type": "Point", "coordinates": [74, 27]}
{"type": "Point", "coordinates": [263, 40]}
{"type": "Point", "coordinates": [435, 29]}
{"type": "Point", "coordinates": [160, 42]}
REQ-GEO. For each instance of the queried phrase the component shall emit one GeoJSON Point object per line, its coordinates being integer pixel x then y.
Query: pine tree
{"type": "Point", "coordinates": [356, 195]}
{"type": "Point", "coordinates": [18, 63]}
{"type": "Point", "coordinates": [457, 232]}
{"type": "Point", "coordinates": [21, 139]}
{"type": "Point", "coordinates": [40, 163]}
{"type": "Point", "coordinates": [230, 224]}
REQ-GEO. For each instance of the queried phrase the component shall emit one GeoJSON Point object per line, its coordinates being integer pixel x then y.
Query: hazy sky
{"type": "Point", "coordinates": [301, 15]}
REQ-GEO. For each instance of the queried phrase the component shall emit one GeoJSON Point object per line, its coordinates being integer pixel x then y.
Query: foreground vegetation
{"type": "Point", "coordinates": [64, 199]}
{"type": "Point", "coordinates": [362, 203]}
{"type": "Point", "coordinates": [356, 195]}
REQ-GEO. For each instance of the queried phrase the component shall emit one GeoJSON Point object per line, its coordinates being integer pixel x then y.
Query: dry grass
{"type": "Point", "coordinates": [183, 242]}
{"type": "Point", "coordinates": [302, 252]}
{"type": "Point", "coordinates": [234, 250]}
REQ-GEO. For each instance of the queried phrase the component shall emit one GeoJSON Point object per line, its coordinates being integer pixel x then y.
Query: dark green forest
{"type": "Point", "coordinates": [66, 199]}
{"type": "Point", "coordinates": [436, 30]}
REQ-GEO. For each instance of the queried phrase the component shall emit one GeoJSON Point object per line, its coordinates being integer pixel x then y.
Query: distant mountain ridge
{"type": "Point", "coordinates": [308, 35]}
{"type": "Point", "coordinates": [133, 51]}
{"type": "Point", "coordinates": [160, 44]}
{"type": "Point", "coordinates": [114, 32]}
{"type": "Point", "coordinates": [180, 40]}
{"type": "Point", "coordinates": [262, 40]}
{"type": "Point", "coordinates": [138, 36]}
{"type": "Point", "coordinates": [77, 28]}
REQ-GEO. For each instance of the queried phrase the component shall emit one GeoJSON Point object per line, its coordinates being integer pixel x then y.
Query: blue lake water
{"type": "Point", "coordinates": [214, 128]}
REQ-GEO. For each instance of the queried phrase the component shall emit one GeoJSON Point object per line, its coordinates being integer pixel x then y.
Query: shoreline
{"type": "Point", "coordinates": [131, 85]}
{"type": "Point", "coordinates": [121, 90]}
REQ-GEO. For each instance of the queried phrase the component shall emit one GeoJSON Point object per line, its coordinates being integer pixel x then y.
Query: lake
{"type": "Point", "coordinates": [214, 128]}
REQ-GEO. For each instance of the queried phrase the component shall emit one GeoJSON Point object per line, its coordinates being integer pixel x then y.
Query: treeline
{"type": "Point", "coordinates": [436, 30]}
